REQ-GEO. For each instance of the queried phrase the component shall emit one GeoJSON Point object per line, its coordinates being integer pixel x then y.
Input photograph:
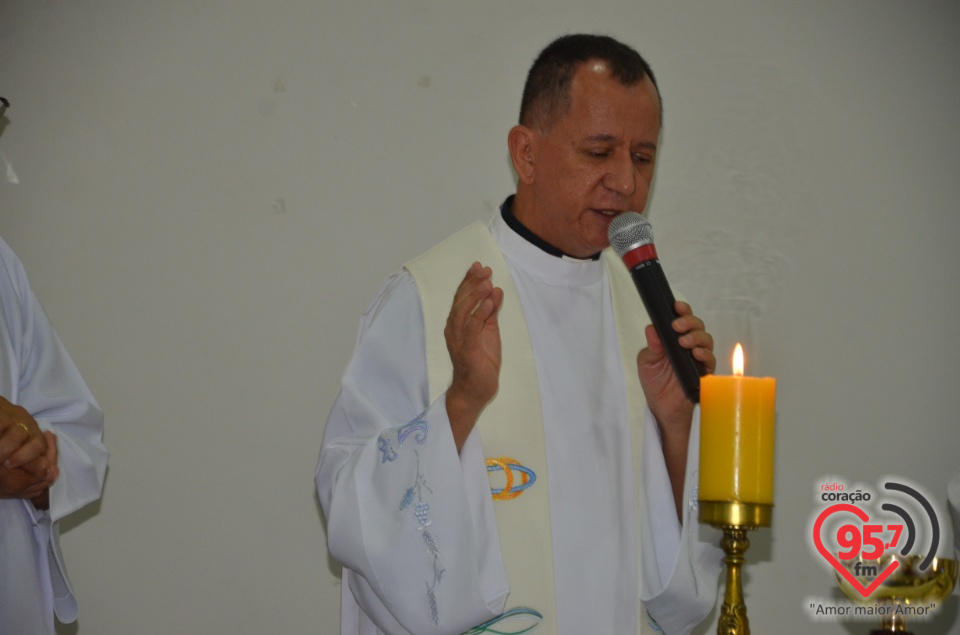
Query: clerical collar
{"type": "Point", "coordinates": [506, 211]}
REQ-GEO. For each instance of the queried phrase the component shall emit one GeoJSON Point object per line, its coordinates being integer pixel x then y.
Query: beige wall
{"type": "Point", "coordinates": [189, 185]}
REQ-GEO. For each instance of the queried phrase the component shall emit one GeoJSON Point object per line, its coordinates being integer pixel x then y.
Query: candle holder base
{"type": "Point", "coordinates": [735, 519]}
{"type": "Point", "coordinates": [722, 514]}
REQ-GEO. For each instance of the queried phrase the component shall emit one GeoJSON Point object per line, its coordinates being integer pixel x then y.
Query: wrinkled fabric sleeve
{"type": "Point", "coordinates": [409, 518]}
{"type": "Point", "coordinates": [679, 573]}
{"type": "Point", "coordinates": [51, 389]}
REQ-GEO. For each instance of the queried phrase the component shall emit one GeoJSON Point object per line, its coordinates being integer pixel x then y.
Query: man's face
{"type": "Point", "coordinates": [595, 161]}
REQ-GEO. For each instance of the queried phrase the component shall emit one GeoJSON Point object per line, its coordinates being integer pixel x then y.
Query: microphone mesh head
{"type": "Point", "coordinates": [628, 231]}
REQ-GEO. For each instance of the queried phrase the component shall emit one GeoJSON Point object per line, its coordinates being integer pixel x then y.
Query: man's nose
{"type": "Point", "coordinates": [621, 175]}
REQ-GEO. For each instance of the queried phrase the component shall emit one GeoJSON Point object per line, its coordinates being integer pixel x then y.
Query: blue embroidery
{"type": "Point", "coordinates": [508, 465]}
{"type": "Point", "coordinates": [419, 426]}
{"type": "Point", "coordinates": [386, 448]}
{"type": "Point", "coordinates": [694, 503]}
{"type": "Point", "coordinates": [526, 620]}
{"type": "Point", "coordinates": [421, 509]}
{"type": "Point", "coordinates": [421, 512]}
{"type": "Point", "coordinates": [437, 574]}
{"type": "Point", "coordinates": [407, 499]}
{"type": "Point", "coordinates": [432, 599]}
{"type": "Point", "coordinates": [431, 544]}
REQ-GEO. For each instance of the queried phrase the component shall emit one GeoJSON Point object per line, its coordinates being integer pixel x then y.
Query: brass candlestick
{"type": "Point", "coordinates": [906, 588]}
{"type": "Point", "coordinates": [735, 519]}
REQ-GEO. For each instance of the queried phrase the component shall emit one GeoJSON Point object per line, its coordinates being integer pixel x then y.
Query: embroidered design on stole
{"type": "Point", "coordinates": [521, 619]}
{"type": "Point", "coordinates": [512, 622]}
{"type": "Point", "coordinates": [507, 465]}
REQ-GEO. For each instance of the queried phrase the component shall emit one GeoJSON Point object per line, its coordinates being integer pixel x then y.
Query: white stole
{"type": "Point", "coordinates": [511, 426]}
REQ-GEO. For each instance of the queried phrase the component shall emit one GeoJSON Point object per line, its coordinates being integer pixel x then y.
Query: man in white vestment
{"type": "Point", "coordinates": [510, 450]}
{"type": "Point", "coordinates": [52, 460]}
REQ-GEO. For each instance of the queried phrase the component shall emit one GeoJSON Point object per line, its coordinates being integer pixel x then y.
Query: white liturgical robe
{"type": "Point", "coordinates": [388, 448]}
{"type": "Point", "coordinates": [37, 373]}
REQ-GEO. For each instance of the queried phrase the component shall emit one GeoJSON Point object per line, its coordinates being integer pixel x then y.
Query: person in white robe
{"type": "Point", "coordinates": [408, 469]}
{"type": "Point", "coordinates": [52, 459]}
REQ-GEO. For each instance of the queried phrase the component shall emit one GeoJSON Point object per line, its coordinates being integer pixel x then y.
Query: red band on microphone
{"type": "Point", "coordinates": [643, 253]}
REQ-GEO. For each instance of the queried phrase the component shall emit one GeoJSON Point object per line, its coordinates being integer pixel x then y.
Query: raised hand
{"type": "Point", "coordinates": [472, 334]}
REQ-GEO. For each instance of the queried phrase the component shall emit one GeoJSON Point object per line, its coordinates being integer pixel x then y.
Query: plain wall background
{"type": "Point", "coordinates": [189, 185]}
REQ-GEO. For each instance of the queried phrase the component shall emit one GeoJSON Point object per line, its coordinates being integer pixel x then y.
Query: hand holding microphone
{"type": "Point", "coordinates": [632, 238]}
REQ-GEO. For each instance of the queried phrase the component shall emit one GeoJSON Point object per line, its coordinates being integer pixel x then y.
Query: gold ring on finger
{"type": "Point", "coordinates": [23, 425]}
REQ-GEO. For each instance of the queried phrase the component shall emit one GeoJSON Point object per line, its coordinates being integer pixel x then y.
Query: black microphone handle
{"type": "Point", "coordinates": [659, 302]}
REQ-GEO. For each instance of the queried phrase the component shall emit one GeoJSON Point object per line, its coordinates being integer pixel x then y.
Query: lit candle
{"type": "Point", "coordinates": [736, 436]}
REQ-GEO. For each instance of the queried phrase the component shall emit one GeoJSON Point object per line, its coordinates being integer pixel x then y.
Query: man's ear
{"type": "Point", "coordinates": [522, 144]}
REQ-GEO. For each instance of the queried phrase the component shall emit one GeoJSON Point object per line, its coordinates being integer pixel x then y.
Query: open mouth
{"type": "Point", "coordinates": [608, 213]}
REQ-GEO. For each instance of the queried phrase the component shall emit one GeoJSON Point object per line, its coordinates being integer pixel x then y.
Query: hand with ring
{"type": "Point", "coordinates": [28, 456]}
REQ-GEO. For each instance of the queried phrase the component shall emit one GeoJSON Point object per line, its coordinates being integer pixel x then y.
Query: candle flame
{"type": "Point", "coordinates": [738, 360]}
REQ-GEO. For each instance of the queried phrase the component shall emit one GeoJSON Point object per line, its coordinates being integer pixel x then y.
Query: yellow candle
{"type": "Point", "coordinates": [736, 436]}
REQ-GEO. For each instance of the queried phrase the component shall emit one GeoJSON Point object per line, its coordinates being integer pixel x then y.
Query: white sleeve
{"type": "Point", "coordinates": [679, 572]}
{"type": "Point", "coordinates": [51, 389]}
{"type": "Point", "coordinates": [412, 529]}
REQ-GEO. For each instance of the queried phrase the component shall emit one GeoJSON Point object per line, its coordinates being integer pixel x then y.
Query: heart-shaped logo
{"type": "Point", "coordinates": [862, 515]}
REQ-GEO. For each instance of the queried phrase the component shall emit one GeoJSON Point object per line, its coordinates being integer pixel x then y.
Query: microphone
{"type": "Point", "coordinates": [632, 238]}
